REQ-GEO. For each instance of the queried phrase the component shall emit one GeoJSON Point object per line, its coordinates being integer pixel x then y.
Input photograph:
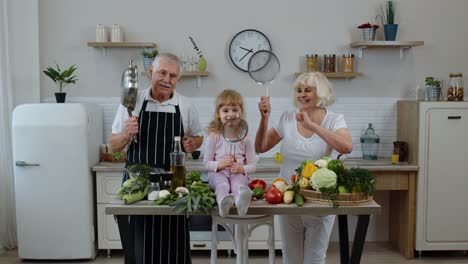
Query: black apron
{"type": "Point", "coordinates": [158, 239]}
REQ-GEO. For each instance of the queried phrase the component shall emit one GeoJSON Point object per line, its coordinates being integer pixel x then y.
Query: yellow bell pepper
{"type": "Point", "coordinates": [308, 170]}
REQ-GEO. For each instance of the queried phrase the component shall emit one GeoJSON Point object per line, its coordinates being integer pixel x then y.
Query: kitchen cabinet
{"type": "Point", "coordinates": [436, 134]}
{"type": "Point", "coordinates": [402, 45]}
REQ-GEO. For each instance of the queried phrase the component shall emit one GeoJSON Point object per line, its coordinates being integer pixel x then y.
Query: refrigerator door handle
{"type": "Point", "coordinates": [20, 163]}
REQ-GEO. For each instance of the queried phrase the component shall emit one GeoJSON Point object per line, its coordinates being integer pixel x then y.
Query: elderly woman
{"type": "Point", "coordinates": [309, 132]}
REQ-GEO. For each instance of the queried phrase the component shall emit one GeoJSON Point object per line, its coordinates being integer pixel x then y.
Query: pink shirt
{"type": "Point", "coordinates": [216, 148]}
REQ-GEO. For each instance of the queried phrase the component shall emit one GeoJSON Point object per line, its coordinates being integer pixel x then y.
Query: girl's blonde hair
{"type": "Point", "coordinates": [323, 88]}
{"type": "Point", "coordinates": [226, 97]}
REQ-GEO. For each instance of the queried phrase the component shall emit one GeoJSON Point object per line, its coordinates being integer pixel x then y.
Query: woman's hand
{"type": "Point", "coordinates": [304, 119]}
{"type": "Point", "coordinates": [236, 168]}
{"type": "Point", "coordinates": [264, 106]}
{"type": "Point", "coordinates": [131, 126]}
{"type": "Point", "coordinates": [226, 162]}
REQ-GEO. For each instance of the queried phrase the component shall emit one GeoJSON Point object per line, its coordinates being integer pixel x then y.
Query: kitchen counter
{"type": "Point", "coordinates": [398, 179]}
{"type": "Point", "coordinates": [269, 165]}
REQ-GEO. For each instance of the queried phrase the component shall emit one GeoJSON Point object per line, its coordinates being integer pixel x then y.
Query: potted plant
{"type": "Point", "coordinates": [62, 78]}
{"type": "Point", "coordinates": [388, 21]}
{"type": "Point", "coordinates": [433, 87]}
{"type": "Point", "coordinates": [148, 57]}
{"type": "Point", "coordinates": [368, 31]}
{"type": "Point", "coordinates": [202, 64]}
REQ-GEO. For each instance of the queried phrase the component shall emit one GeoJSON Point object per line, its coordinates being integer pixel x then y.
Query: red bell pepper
{"type": "Point", "coordinates": [273, 195]}
{"type": "Point", "coordinates": [257, 183]}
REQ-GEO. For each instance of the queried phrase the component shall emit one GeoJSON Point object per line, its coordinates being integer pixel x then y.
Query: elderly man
{"type": "Point", "coordinates": [160, 115]}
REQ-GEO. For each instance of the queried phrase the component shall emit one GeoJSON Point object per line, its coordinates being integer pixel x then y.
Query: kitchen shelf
{"type": "Point", "coordinates": [105, 45]}
{"type": "Point", "coordinates": [402, 45]}
{"type": "Point", "coordinates": [338, 75]}
{"type": "Point", "coordinates": [122, 44]}
{"type": "Point", "coordinates": [188, 74]}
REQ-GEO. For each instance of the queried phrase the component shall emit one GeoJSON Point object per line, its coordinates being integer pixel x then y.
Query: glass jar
{"type": "Point", "coordinates": [329, 63]}
{"type": "Point", "coordinates": [455, 89]}
{"type": "Point", "coordinates": [312, 62]}
{"type": "Point", "coordinates": [370, 144]}
{"type": "Point", "coordinates": [348, 62]}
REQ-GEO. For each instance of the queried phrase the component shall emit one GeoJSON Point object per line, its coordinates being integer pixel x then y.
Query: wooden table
{"type": "Point", "coordinates": [121, 211]}
{"type": "Point", "coordinates": [399, 179]}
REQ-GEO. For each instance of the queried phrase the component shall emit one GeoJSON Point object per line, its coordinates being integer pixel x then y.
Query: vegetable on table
{"type": "Point", "coordinates": [281, 184]}
{"type": "Point", "coordinates": [257, 193]}
{"type": "Point", "coordinates": [134, 190]}
{"type": "Point", "coordinates": [299, 199]}
{"type": "Point", "coordinates": [323, 178]}
{"type": "Point", "coordinates": [288, 196]}
{"type": "Point", "coordinates": [273, 195]}
{"type": "Point", "coordinates": [257, 183]}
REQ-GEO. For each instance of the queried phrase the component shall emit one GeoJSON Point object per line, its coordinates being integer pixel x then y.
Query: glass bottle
{"type": "Point", "coordinates": [370, 144]}
{"type": "Point", "coordinates": [177, 165]}
{"type": "Point", "coordinates": [455, 89]}
{"type": "Point", "coordinates": [153, 190]}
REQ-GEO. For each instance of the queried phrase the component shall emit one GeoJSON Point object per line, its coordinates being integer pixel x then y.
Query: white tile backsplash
{"type": "Point", "coordinates": [358, 112]}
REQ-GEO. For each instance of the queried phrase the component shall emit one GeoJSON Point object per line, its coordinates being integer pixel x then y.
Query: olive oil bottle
{"type": "Point", "coordinates": [177, 165]}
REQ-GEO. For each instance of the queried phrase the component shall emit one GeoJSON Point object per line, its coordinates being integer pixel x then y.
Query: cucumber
{"type": "Point", "coordinates": [299, 199]}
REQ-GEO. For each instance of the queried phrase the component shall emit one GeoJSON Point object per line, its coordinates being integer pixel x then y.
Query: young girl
{"type": "Point", "coordinates": [228, 174]}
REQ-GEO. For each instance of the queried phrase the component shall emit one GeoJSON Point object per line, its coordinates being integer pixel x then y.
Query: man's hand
{"type": "Point", "coordinates": [131, 126]}
{"type": "Point", "coordinates": [226, 162]}
{"type": "Point", "coordinates": [236, 168]}
{"type": "Point", "coordinates": [190, 145]}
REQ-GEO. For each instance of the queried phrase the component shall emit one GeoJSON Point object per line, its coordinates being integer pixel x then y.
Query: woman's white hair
{"type": "Point", "coordinates": [323, 88]}
{"type": "Point", "coordinates": [168, 56]}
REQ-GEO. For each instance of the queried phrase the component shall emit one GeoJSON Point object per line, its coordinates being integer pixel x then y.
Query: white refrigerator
{"type": "Point", "coordinates": [54, 148]}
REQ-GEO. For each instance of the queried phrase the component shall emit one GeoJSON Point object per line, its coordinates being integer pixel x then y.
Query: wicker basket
{"type": "Point", "coordinates": [344, 199]}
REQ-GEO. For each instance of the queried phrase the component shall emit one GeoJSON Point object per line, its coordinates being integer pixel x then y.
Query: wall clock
{"type": "Point", "coordinates": [244, 44]}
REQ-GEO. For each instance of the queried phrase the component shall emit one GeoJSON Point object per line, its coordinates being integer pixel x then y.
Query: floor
{"type": "Point", "coordinates": [380, 253]}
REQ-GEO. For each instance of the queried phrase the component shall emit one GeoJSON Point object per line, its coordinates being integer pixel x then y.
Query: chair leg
{"type": "Point", "coordinates": [271, 243]}
{"type": "Point", "coordinates": [214, 241]}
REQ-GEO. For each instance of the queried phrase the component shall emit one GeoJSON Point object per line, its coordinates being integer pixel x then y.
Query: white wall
{"type": "Point", "coordinates": [23, 41]}
{"type": "Point", "coordinates": [294, 28]}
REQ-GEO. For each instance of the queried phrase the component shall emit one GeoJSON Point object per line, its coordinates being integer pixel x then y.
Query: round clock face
{"type": "Point", "coordinates": [246, 43]}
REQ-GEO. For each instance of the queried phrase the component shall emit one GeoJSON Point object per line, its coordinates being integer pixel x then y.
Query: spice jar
{"type": "Point", "coordinates": [455, 89]}
{"type": "Point", "coordinates": [312, 62]}
{"type": "Point", "coordinates": [329, 62]}
{"type": "Point", "coordinates": [348, 62]}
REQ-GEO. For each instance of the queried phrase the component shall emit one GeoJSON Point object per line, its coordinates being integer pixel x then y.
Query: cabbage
{"type": "Point", "coordinates": [323, 178]}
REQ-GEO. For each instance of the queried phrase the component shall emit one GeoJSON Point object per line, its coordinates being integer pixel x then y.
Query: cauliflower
{"type": "Point", "coordinates": [323, 162]}
{"type": "Point", "coordinates": [323, 178]}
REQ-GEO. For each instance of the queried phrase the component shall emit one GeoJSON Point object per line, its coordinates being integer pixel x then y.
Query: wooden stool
{"type": "Point", "coordinates": [244, 226]}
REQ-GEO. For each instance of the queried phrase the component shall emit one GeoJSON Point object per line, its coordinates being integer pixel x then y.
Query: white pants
{"type": "Point", "coordinates": [305, 238]}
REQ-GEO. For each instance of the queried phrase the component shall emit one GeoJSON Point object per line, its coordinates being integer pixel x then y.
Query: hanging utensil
{"type": "Point", "coordinates": [264, 67]}
{"type": "Point", "coordinates": [130, 89]}
{"type": "Point", "coordinates": [234, 130]}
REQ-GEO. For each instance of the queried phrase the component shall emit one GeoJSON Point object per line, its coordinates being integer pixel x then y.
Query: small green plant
{"type": "Point", "coordinates": [196, 47]}
{"type": "Point", "coordinates": [62, 78]}
{"type": "Point", "coordinates": [430, 81]}
{"type": "Point", "coordinates": [150, 53]}
{"type": "Point", "coordinates": [388, 15]}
